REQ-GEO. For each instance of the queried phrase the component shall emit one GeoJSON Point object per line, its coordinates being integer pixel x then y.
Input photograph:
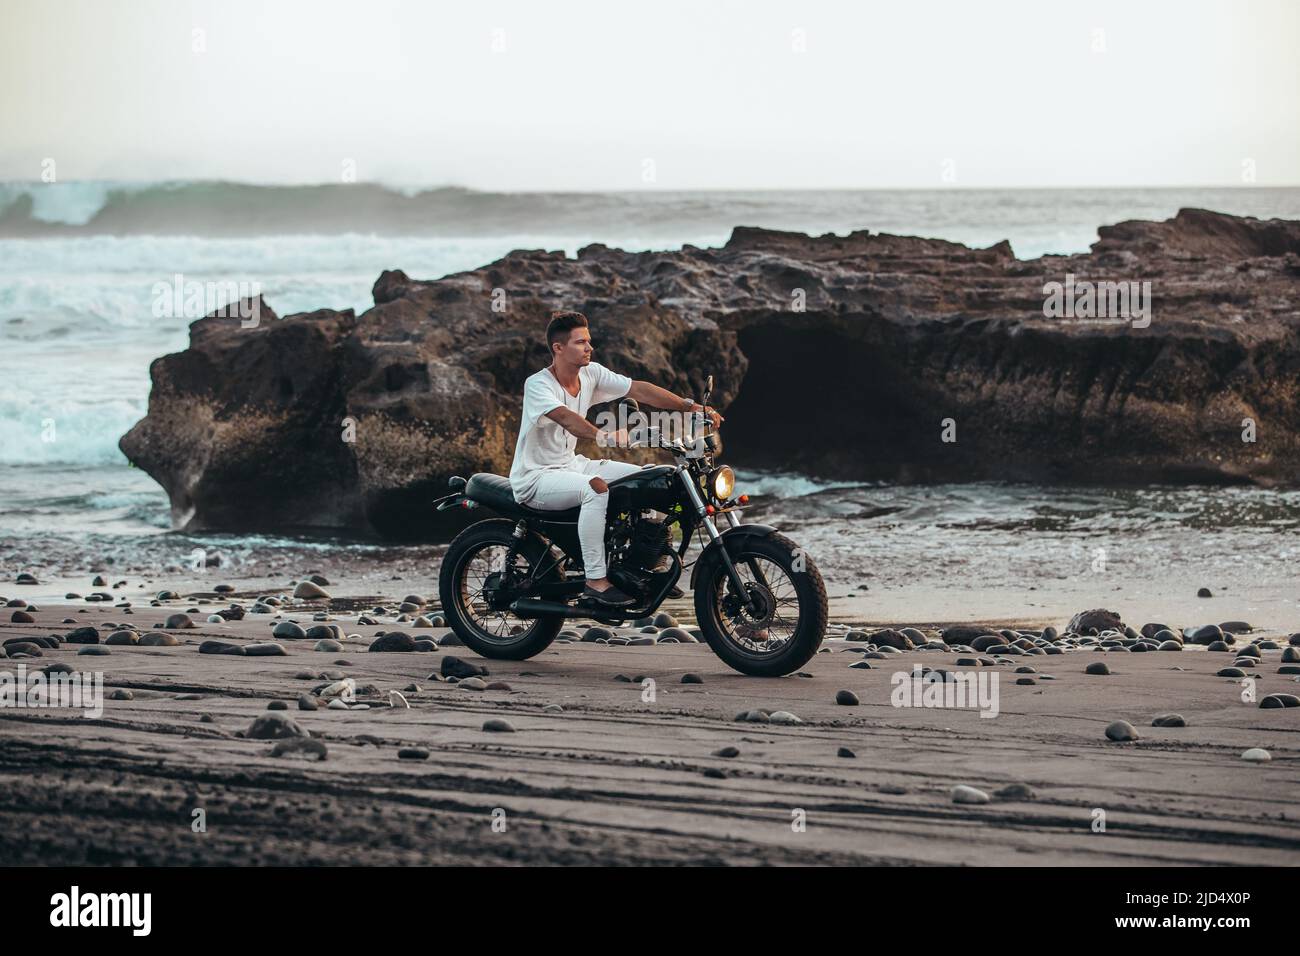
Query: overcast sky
{"type": "Point", "coordinates": [545, 94]}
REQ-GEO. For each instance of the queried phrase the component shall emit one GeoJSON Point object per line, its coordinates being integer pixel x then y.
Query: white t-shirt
{"type": "Point", "coordinates": [543, 444]}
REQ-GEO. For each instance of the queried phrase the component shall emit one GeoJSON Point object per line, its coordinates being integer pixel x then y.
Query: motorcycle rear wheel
{"type": "Point", "coordinates": [474, 558]}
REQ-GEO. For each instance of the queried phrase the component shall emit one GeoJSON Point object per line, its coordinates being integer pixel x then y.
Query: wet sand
{"type": "Point", "coordinates": [618, 779]}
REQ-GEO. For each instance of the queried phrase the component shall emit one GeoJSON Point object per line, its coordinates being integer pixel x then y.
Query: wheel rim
{"type": "Point", "coordinates": [480, 569]}
{"type": "Point", "coordinates": [768, 631]}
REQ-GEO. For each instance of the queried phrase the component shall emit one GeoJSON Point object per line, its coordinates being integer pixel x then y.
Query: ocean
{"type": "Point", "coordinates": [80, 264]}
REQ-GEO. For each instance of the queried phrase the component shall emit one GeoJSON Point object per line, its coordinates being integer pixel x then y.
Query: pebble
{"type": "Point", "coordinates": [890, 638]}
{"type": "Point", "coordinates": [727, 752]}
{"type": "Point", "coordinates": [221, 647]}
{"type": "Point", "coordinates": [82, 635]}
{"type": "Point", "coordinates": [307, 702]}
{"type": "Point", "coordinates": [1203, 593]}
{"type": "Point", "coordinates": [664, 619]}
{"type": "Point", "coordinates": [265, 649]}
{"type": "Point", "coordinates": [472, 683]}
{"type": "Point", "coordinates": [95, 650]}
{"type": "Point", "coordinates": [553, 709]}
{"type": "Point", "coordinates": [177, 622]}
{"type": "Point", "coordinates": [120, 638]}
{"type": "Point", "coordinates": [455, 667]}
{"type": "Point", "coordinates": [681, 635]}
{"type": "Point", "coordinates": [277, 705]}
{"type": "Point", "coordinates": [341, 687]}
{"type": "Point", "coordinates": [498, 725]}
{"type": "Point", "coordinates": [1257, 755]}
{"type": "Point", "coordinates": [784, 717]}
{"type": "Point", "coordinates": [755, 716]}
{"type": "Point", "coordinates": [288, 631]}
{"type": "Point", "coordinates": [1121, 730]}
{"type": "Point", "coordinates": [159, 639]}
{"type": "Point", "coordinates": [845, 752]}
{"type": "Point", "coordinates": [274, 726]}
{"type": "Point", "coordinates": [308, 590]}
{"type": "Point", "coordinates": [336, 704]}
{"type": "Point", "coordinates": [1206, 634]}
{"type": "Point", "coordinates": [1097, 667]}
{"type": "Point", "coordinates": [861, 665]}
{"type": "Point", "coordinates": [328, 645]}
{"type": "Point", "coordinates": [1170, 646]}
{"type": "Point", "coordinates": [846, 698]}
{"type": "Point", "coordinates": [1015, 791]}
{"type": "Point", "coordinates": [964, 794]}
{"type": "Point", "coordinates": [1273, 701]}
{"type": "Point", "coordinates": [393, 641]}
{"type": "Point", "coordinates": [1169, 720]}
{"type": "Point", "coordinates": [412, 753]}
{"type": "Point", "coordinates": [692, 679]}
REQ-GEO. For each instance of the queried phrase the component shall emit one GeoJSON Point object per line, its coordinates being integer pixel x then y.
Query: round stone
{"type": "Point", "coordinates": [1121, 730]}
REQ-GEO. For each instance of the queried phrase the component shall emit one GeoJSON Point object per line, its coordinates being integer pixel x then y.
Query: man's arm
{"type": "Point", "coordinates": [575, 424]}
{"type": "Point", "coordinates": [657, 397]}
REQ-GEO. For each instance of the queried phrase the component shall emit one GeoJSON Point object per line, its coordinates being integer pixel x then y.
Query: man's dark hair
{"type": "Point", "coordinates": [562, 323]}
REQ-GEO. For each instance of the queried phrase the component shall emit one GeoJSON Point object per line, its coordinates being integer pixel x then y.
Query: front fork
{"type": "Point", "coordinates": [714, 535]}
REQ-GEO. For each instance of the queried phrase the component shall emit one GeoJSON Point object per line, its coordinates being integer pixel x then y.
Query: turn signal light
{"type": "Point", "coordinates": [708, 509]}
{"type": "Point", "coordinates": [743, 499]}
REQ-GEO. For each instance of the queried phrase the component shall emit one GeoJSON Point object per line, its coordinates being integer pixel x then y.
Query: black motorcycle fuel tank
{"type": "Point", "coordinates": [655, 486]}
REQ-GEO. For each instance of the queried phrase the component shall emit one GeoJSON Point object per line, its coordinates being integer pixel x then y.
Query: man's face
{"type": "Point", "coordinates": [577, 350]}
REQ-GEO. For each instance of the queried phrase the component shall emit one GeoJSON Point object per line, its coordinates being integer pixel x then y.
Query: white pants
{"type": "Point", "coordinates": [560, 489]}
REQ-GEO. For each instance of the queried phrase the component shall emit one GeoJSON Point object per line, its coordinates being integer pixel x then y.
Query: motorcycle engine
{"type": "Point", "coordinates": [638, 545]}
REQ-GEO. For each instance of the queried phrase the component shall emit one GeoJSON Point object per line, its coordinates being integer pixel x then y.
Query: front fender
{"type": "Point", "coordinates": [728, 536]}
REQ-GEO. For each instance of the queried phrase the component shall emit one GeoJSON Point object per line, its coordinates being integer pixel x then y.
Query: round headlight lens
{"type": "Point", "coordinates": [724, 482]}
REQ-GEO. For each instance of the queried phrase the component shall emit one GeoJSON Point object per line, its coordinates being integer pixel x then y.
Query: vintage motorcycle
{"type": "Point", "coordinates": [508, 584]}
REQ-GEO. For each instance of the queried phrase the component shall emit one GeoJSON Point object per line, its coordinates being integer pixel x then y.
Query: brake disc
{"type": "Point", "coordinates": [760, 612]}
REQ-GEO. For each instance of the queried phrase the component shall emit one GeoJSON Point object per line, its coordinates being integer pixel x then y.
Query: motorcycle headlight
{"type": "Point", "coordinates": [723, 482]}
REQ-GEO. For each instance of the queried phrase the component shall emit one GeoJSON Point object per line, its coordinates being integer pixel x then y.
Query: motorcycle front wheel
{"type": "Point", "coordinates": [781, 625]}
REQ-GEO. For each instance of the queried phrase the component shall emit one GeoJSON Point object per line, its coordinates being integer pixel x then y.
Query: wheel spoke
{"type": "Point", "coordinates": [776, 590]}
{"type": "Point", "coordinates": [477, 571]}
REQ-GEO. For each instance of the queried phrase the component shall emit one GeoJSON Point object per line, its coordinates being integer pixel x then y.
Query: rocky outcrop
{"type": "Point", "coordinates": [870, 356]}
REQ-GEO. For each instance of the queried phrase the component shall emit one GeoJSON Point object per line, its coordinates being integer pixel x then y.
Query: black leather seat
{"type": "Point", "coordinates": [493, 491]}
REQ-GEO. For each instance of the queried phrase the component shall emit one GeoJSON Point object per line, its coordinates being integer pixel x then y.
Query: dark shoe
{"type": "Point", "coordinates": [676, 592]}
{"type": "Point", "coordinates": [610, 597]}
{"type": "Point", "coordinates": [665, 563]}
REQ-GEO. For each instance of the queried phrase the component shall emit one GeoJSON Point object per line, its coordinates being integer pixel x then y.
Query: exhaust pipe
{"type": "Point", "coordinates": [531, 607]}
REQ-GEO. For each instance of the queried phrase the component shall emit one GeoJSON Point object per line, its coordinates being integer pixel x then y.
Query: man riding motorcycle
{"type": "Point", "coordinates": [547, 474]}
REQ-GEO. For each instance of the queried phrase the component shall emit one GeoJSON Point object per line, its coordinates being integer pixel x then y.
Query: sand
{"type": "Point", "coordinates": [618, 779]}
